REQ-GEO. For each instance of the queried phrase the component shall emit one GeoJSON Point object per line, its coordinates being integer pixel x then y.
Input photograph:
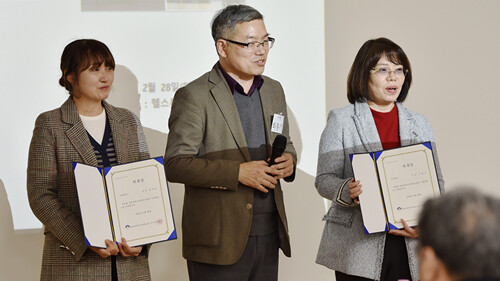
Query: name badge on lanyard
{"type": "Point", "coordinates": [278, 120]}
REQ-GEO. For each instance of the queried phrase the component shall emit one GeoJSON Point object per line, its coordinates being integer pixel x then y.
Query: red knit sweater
{"type": "Point", "coordinates": [388, 127]}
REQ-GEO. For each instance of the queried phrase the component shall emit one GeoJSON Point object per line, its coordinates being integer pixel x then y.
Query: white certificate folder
{"type": "Point", "coordinates": [396, 183]}
{"type": "Point", "coordinates": [129, 200]}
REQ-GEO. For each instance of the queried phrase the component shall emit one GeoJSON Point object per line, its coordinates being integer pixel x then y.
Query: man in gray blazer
{"type": "Point", "coordinates": [221, 129]}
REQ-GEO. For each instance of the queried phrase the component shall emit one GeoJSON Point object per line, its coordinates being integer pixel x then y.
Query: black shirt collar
{"type": "Point", "coordinates": [234, 86]}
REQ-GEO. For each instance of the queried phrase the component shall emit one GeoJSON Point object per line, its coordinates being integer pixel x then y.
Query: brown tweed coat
{"type": "Point", "coordinates": [58, 139]}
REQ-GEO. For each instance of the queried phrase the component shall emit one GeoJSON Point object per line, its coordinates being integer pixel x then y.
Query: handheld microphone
{"type": "Point", "coordinates": [278, 148]}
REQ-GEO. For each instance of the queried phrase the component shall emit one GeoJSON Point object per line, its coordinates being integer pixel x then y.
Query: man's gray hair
{"type": "Point", "coordinates": [226, 19]}
{"type": "Point", "coordinates": [463, 228]}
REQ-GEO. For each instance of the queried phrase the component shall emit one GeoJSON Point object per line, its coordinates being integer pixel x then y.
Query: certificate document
{"type": "Point", "coordinates": [396, 182]}
{"type": "Point", "coordinates": [130, 200]}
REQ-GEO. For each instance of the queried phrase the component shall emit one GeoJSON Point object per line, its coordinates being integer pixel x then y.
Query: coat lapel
{"type": "Point", "coordinates": [267, 102]}
{"type": "Point", "coordinates": [407, 130]}
{"type": "Point", "coordinates": [77, 134]}
{"type": "Point", "coordinates": [366, 127]}
{"type": "Point", "coordinates": [225, 101]}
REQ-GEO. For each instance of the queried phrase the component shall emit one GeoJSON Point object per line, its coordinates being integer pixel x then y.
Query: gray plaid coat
{"type": "Point", "coordinates": [59, 138]}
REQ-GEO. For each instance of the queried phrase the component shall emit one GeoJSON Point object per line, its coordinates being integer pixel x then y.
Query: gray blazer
{"type": "Point", "coordinates": [206, 144]}
{"type": "Point", "coordinates": [59, 138]}
{"type": "Point", "coordinates": [344, 245]}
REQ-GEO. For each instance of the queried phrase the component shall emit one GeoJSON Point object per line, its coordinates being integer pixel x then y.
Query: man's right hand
{"type": "Point", "coordinates": [258, 175]}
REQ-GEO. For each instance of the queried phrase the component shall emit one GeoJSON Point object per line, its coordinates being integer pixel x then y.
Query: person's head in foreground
{"type": "Point", "coordinates": [460, 237]}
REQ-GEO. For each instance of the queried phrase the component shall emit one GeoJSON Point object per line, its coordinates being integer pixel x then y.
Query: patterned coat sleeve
{"type": "Point", "coordinates": [43, 182]}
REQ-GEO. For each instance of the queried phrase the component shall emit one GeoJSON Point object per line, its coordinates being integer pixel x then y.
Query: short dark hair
{"type": "Point", "coordinates": [226, 19]}
{"type": "Point", "coordinates": [368, 56]}
{"type": "Point", "coordinates": [463, 228]}
{"type": "Point", "coordinates": [82, 54]}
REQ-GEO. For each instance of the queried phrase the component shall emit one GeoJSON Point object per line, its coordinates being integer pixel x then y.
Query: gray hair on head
{"type": "Point", "coordinates": [226, 19]}
{"type": "Point", "coordinates": [463, 228]}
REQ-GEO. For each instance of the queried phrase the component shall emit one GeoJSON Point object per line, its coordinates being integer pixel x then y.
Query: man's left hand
{"type": "Point", "coordinates": [284, 165]}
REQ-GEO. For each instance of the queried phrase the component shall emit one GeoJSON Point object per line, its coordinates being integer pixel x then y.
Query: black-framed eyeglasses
{"type": "Point", "coordinates": [254, 46]}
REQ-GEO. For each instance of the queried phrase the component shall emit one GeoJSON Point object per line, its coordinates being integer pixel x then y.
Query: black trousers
{"type": "Point", "coordinates": [259, 262]}
{"type": "Point", "coordinates": [395, 265]}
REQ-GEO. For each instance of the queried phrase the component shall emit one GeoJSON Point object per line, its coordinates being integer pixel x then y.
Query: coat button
{"type": "Point", "coordinates": [248, 206]}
